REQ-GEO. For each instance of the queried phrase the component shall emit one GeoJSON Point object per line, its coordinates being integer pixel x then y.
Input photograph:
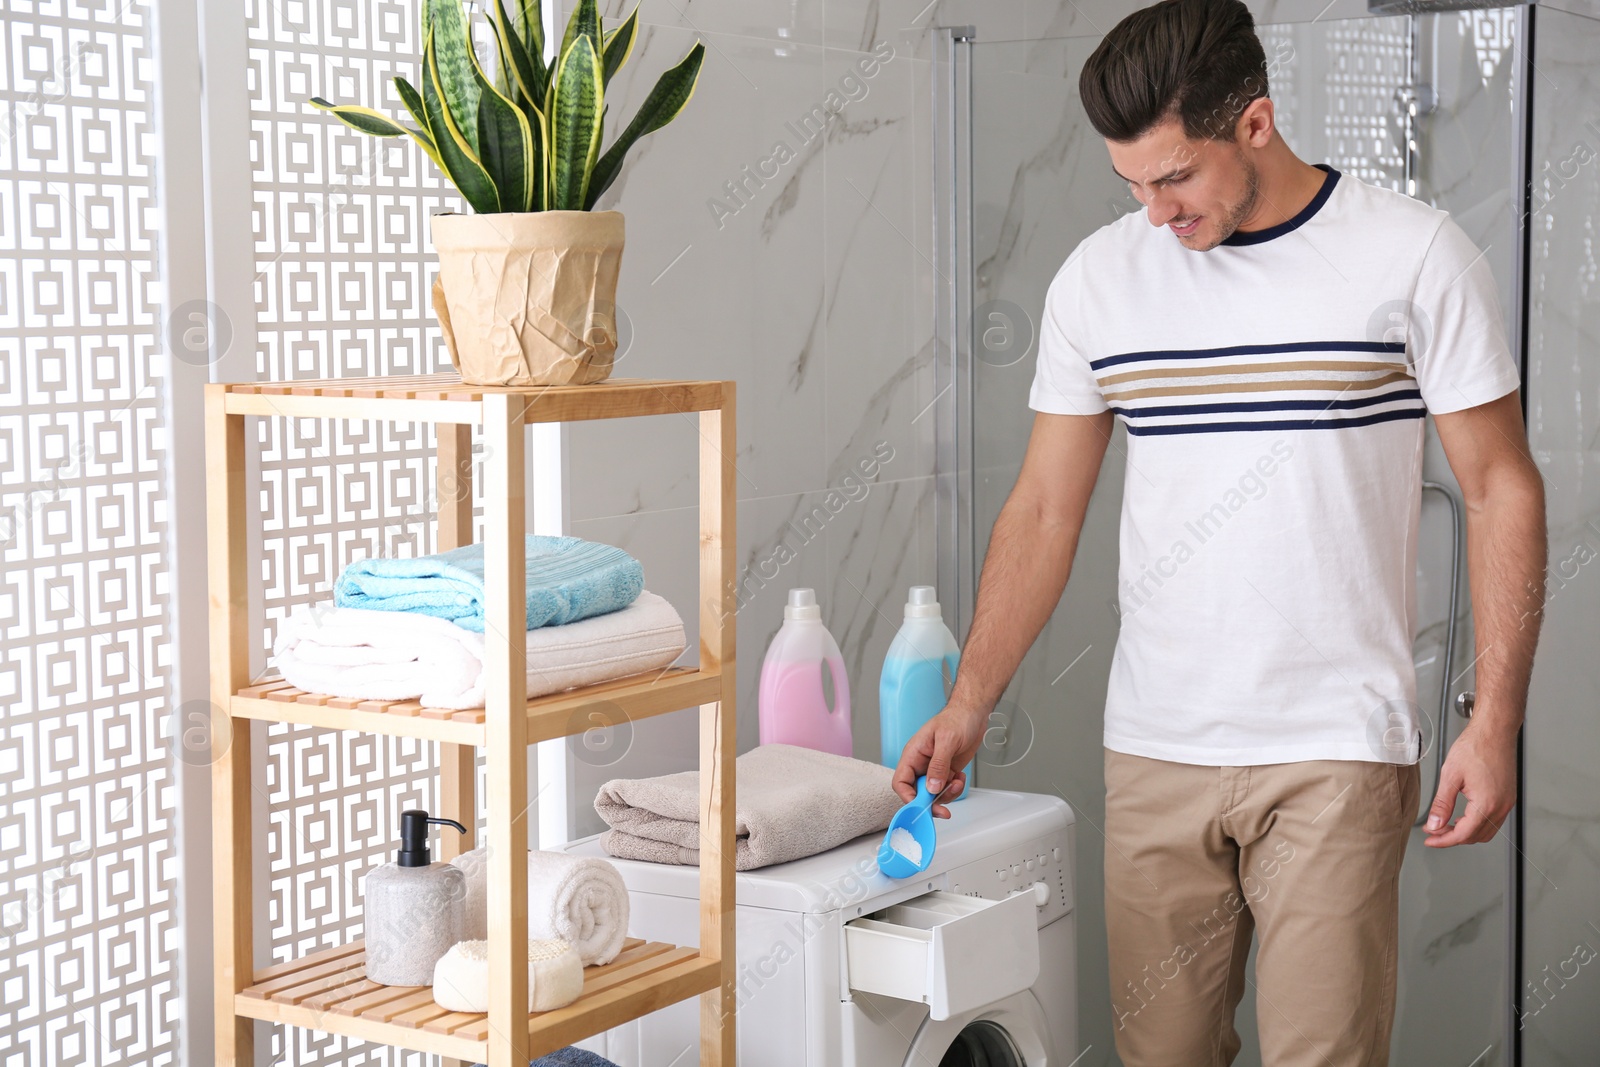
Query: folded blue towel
{"type": "Point", "coordinates": [568, 579]}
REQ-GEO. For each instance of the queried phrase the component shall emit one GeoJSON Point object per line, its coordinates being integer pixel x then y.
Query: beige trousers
{"type": "Point", "coordinates": [1197, 858]}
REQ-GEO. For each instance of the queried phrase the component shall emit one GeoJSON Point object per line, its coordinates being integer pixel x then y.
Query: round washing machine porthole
{"type": "Point", "coordinates": [1010, 1033]}
{"type": "Point", "coordinates": [984, 1043]}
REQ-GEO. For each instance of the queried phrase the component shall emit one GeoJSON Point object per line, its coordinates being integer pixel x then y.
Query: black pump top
{"type": "Point", "coordinates": [414, 837]}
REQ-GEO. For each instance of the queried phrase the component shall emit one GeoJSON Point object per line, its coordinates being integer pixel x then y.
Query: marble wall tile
{"type": "Point", "coordinates": [878, 376]}
{"type": "Point", "coordinates": [876, 551]}
{"type": "Point", "coordinates": [716, 285]}
{"type": "Point", "coordinates": [782, 21]}
{"type": "Point", "coordinates": [1095, 18]}
{"type": "Point", "coordinates": [1586, 8]}
{"type": "Point", "coordinates": [854, 24]}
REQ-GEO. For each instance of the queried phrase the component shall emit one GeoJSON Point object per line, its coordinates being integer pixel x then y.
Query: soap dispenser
{"type": "Point", "coordinates": [413, 907]}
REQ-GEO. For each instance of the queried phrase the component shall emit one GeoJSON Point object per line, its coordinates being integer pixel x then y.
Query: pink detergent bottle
{"type": "Point", "coordinates": [793, 707]}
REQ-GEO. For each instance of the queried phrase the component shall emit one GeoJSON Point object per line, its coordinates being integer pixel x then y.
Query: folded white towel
{"type": "Point", "coordinates": [400, 655]}
{"type": "Point", "coordinates": [792, 802]}
{"type": "Point", "coordinates": [578, 899]}
{"type": "Point", "coordinates": [461, 977]}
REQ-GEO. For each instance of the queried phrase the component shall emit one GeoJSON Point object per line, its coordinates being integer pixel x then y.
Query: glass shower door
{"type": "Point", "coordinates": [1041, 180]}
{"type": "Point", "coordinates": [1561, 743]}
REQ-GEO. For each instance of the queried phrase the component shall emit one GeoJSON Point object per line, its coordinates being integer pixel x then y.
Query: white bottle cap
{"type": "Point", "coordinates": [802, 605]}
{"type": "Point", "coordinates": [924, 604]}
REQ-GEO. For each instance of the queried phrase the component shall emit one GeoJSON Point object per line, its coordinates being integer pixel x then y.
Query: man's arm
{"type": "Point", "coordinates": [1025, 571]}
{"type": "Point", "coordinates": [1488, 451]}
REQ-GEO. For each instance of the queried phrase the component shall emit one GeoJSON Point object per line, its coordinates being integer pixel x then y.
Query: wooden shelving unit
{"type": "Point", "coordinates": [328, 990]}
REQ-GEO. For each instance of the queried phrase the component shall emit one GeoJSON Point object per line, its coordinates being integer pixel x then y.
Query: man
{"type": "Point", "coordinates": [1272, 340]}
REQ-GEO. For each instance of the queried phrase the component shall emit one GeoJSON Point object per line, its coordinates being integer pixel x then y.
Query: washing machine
{"type": "Point", "coordinates": [973, 962]}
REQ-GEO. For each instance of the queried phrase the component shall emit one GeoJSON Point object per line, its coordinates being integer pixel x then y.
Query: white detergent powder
{"type": "Point", "coordinates": [904, 843]}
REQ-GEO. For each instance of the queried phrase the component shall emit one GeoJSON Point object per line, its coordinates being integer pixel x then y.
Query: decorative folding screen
{"type": "Point", "coordinates": [343, 270]}
{"type": "Point", "coordinates": [88, 925]}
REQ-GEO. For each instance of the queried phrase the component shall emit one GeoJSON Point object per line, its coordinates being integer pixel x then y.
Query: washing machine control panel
{"type": "Point", "coordinates": [1045, 861]}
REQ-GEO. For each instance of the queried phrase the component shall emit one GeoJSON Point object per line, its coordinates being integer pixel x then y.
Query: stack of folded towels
{"type": "Point", "coordinates": [414, 629]}
{"type": "Point", "coordinates": [791, 802]}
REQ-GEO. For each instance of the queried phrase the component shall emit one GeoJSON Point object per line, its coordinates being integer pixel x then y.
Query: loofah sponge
{"type": "Point", "coordinates": [461, 977]}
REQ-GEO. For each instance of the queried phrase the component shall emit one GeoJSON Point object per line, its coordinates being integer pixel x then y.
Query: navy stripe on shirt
{"type": "Point", "coordinates": [1263, 405]}
{"type": "Point", "coordinates": [1277, 424]}
{"type": "Point", "coordinates": [1396, 347]}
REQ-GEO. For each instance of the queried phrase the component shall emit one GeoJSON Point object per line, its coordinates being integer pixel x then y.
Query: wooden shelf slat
{"type": "Point", "coordinates": [329, 990]}
{"type": "Point", "coordinates": [393, 1009]}
{"type": "Point", "coordinates": [446, 398]}
{"type": "Point", "coordinates": [290, 966]}
{"type": "Point", "coordinates": [626, 699]}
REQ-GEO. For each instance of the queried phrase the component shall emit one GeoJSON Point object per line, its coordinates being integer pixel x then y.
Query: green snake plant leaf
{"type": "Point", "coordinates": [445, 27]}
{"type": "Point", "coordinates": [619, 43]}
{"type": "Point", "coordinates": [423, 136]}
{"type": "Point", "coordinates": [505, 79]}
{"type": "Point", "coordinates": [413, 102]}
{"type": "Point", "coordinates": [459, 161]}
{"type": "Point", "coordinates": [366, 120]}
{"type": "Point", "coordinates": [541, 161]}
{"type": "Point", "coordinates": [671, 93]}
{"type": "Point", "coordinates": [507, 146]}
{"type": "Point", "coordinates": [577, 92]}
{"type": "Point", "coordinates": [585, 22]}
{"type": "Point", "coordinates": [527, 69]}
{"type": "Point", "coordinates": [361, 118]}
{"type": "Point", "coordinates": [530, 27]}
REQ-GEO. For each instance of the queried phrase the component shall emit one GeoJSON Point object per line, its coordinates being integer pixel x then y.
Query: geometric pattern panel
{"type": "Point", "coordinates": [1333, 89]}
{"type": "Point", "coordinates": [344, 266]}
{"type": "Point", "coordinates": [1367, 60]}
{"type": "Point", "coordinates": [1490, 31]}
{"type": "Point", "coordinates": [89, 934]}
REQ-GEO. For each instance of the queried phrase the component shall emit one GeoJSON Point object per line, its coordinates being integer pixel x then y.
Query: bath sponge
{"type": "Point", "coordinates": [461, 977]}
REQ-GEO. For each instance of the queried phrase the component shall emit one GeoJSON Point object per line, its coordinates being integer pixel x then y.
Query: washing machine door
{"type": "Point", "coordinates": [1008, 1033]}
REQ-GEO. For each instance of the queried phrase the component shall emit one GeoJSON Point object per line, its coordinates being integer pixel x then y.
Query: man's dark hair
{"type": "Point", "coordinates": [1198, 61]}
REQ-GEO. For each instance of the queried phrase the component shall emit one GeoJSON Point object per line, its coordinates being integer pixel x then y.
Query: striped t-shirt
{"type": "Point", "coordinates": [1273, 389]}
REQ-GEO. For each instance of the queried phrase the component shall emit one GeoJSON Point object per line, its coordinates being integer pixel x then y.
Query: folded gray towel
{"type": "Point", "coordinates": [791, 802]}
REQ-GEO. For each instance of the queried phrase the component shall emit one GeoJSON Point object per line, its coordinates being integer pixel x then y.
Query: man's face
{"type": "Point", "coordinates": [1201, 190]}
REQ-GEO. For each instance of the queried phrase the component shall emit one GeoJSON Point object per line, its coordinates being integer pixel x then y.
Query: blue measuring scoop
{"type": "Point", "coordinates": [916, 818]}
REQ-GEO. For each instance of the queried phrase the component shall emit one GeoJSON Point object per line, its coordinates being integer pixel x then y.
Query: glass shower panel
{"type": "Point", "coordinates": [1561, 743]}
{"type": "Point", "coordinates": [1042, 181]}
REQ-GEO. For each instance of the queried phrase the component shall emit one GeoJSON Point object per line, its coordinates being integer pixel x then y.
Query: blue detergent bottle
{"type": "Point", "coordinates": [918, 674]}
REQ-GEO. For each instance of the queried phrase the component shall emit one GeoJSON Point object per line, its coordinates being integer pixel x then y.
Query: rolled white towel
{"type": "Point", "coordinates": [578, 899]}
{"type": "Point", "coordinates": [461, 977]}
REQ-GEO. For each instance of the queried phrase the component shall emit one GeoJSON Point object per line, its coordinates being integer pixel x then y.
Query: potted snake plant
{"type": "Point", "coordinates": [526, 289]}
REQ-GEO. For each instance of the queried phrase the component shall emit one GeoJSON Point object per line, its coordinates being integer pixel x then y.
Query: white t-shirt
{"type": "Point", "coordinates": [1274, 390]}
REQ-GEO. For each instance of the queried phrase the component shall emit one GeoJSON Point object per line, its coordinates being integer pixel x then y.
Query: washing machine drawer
{"type": "Point", "coordinates": [949, 951]}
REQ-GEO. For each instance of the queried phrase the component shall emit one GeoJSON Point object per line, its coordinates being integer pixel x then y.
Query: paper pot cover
{"type": "Point", "coordinates": [529, 298]}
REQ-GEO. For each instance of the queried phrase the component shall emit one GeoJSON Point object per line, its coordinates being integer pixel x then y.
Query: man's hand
{"type": "Point", "coordinates": [1481, 766]}
{"type": "Point", "coordinates": [940, 749]}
